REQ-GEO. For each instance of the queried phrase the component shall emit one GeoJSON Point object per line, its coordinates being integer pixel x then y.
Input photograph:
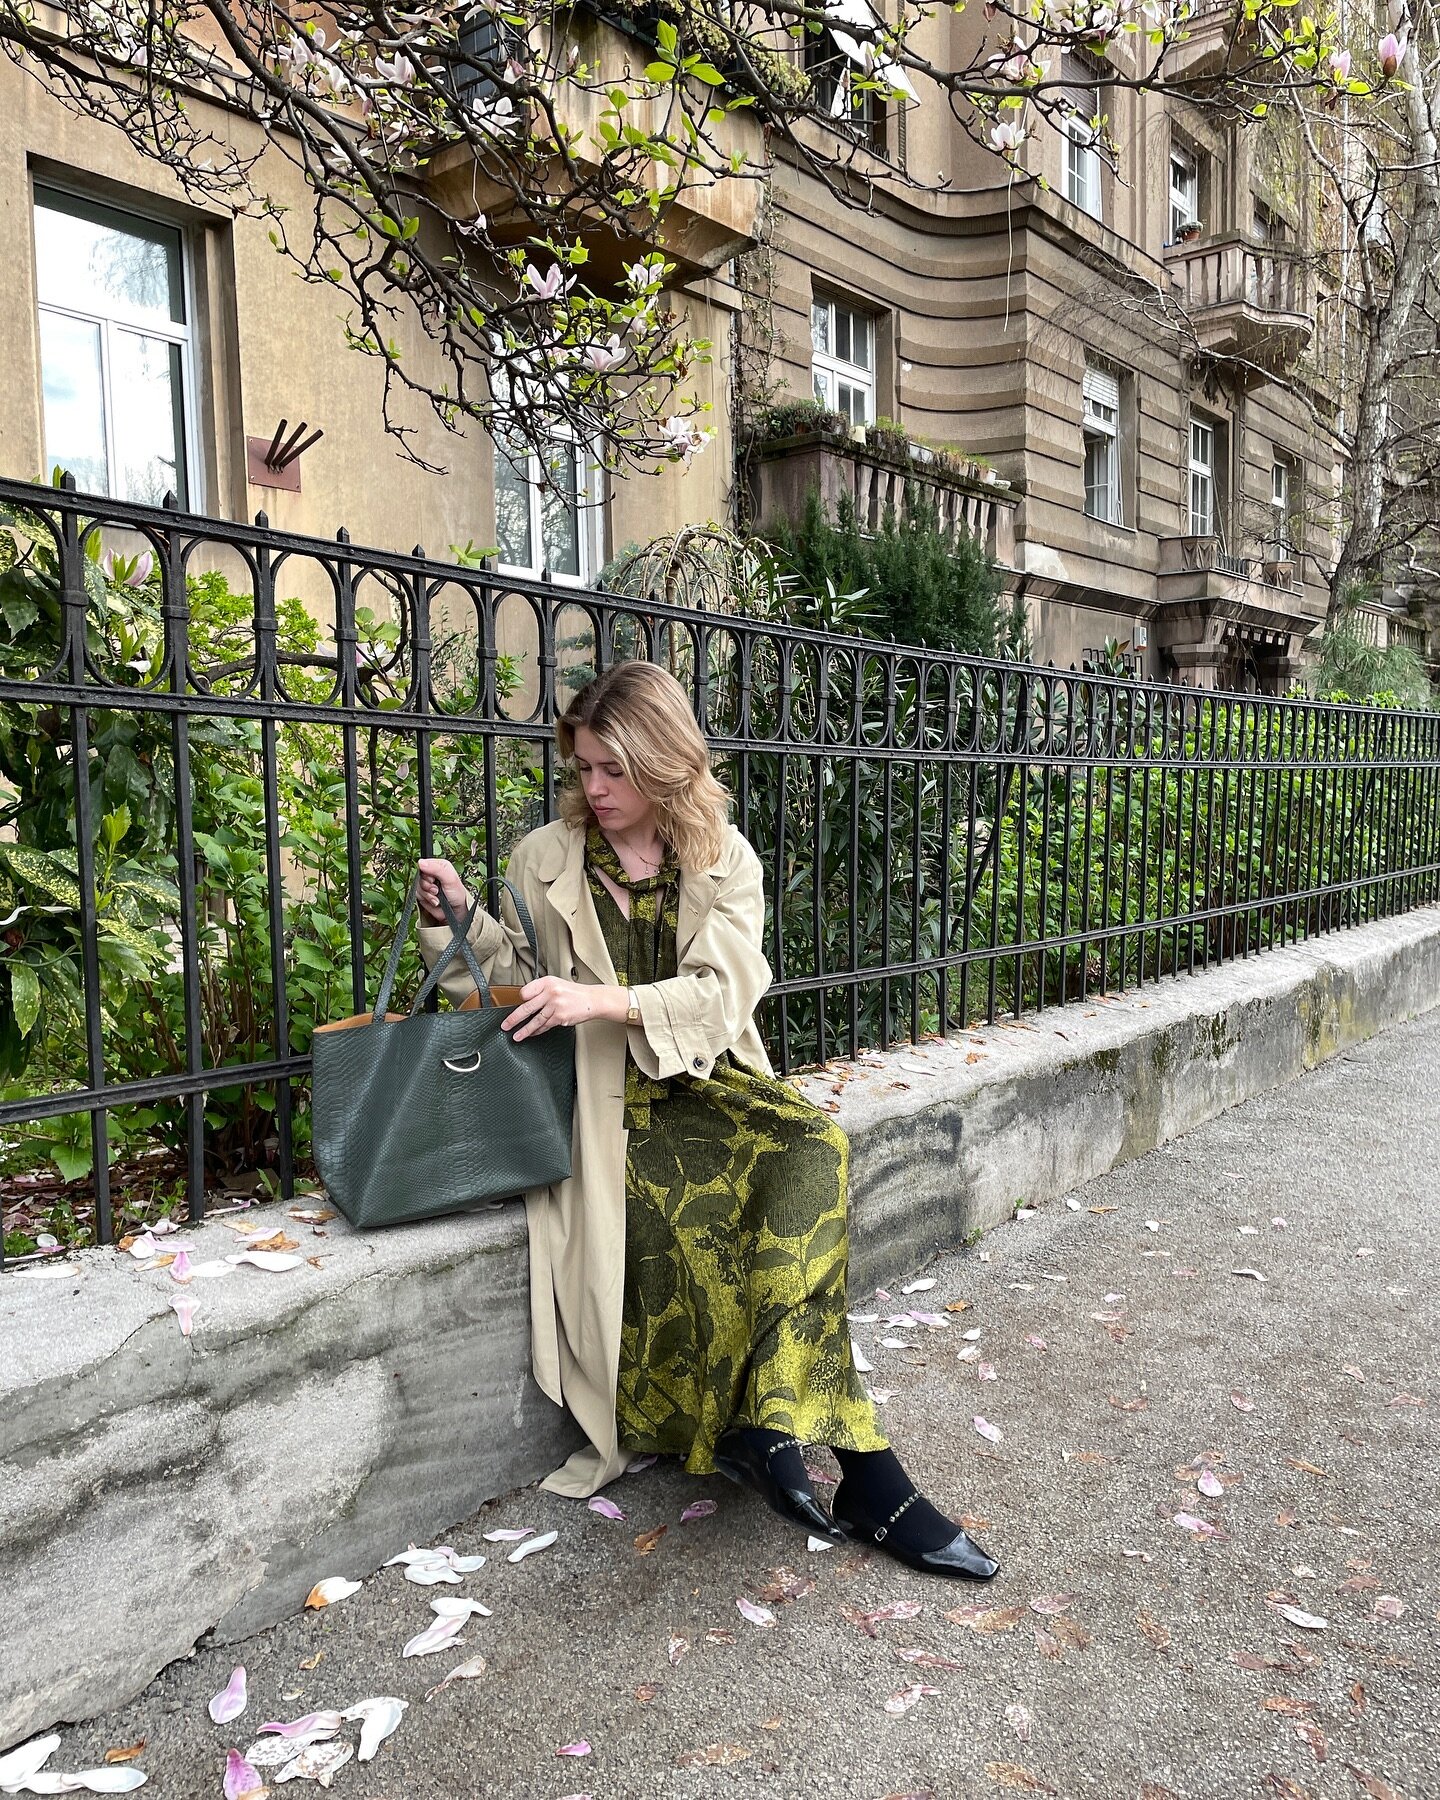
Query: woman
{"type": "Point", "coordinates": [688, 1280]}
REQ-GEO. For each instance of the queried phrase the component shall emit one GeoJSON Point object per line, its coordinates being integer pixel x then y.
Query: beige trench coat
{"type": "Point", "coordinates": [577, 1227]}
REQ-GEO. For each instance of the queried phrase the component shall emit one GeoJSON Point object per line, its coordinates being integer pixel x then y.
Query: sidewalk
{"type": "Point", "coordinates": [1170, 1670]}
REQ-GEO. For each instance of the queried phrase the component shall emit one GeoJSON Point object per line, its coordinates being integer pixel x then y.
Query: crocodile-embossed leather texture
{"type": "Point", "coordinates": [433, 1113]}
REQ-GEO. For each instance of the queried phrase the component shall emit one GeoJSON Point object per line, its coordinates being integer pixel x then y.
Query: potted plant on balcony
{"type": "Point", "coordinates": [802, 419]}
{"type": "Point", "coordinates": [1190, 231]}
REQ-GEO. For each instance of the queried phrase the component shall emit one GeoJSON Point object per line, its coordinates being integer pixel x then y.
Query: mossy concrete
{"type": "Point", "coordinates": [157, 1490]}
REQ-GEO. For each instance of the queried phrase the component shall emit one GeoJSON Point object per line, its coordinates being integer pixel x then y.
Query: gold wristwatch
{"type": "Point", "coordinates": [632, 1017]}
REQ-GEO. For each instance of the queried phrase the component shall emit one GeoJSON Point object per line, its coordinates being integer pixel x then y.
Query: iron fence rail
{"type": "Point", "coordinates": [945, 838]}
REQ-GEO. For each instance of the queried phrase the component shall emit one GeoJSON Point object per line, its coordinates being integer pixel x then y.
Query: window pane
{"type": "Point", "coordinates": [844, 320]}
{"type": "Point", "coordinates": [95, 260]}
{"type": "Point", "coordinates": [822, 387]}
{"type": "Point", "coordinates": [560, 516]}
{"type": "Point", "coordinates": [74, 400]}
{"type": "Point", "coordinates": [855, 403]}
{"type": "Point", "coordinates": [513, 534]}
{"type": "Point", "coordinates": [149, 425]}
{"type": "Point", "coordinates": [820, 326]}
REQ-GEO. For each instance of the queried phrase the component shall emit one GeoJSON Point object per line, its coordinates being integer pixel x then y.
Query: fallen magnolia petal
{"type": "Point", "coordinates": [180, 1267]}
{"type": "Point", "coordinates": [242, 1779]}
{"type": "Point", "coordinates": [679, 1647]}
{"type": "Point", "coordinates": [531, 1545]}
{"type": "Point", "coordinates": [18, 1765]}
{"type": "Point", "coordinates": [508, 1534]}
{"type": "Point", "coordinates": [317, 1762]}
{"type": "Point", "coordinates": [1144, 1555]}
{"type": "Point", "coordinates": [907, 1697]}
{"type": "Point", "coordinates": [451, 1606]}
{"type": "Point", "coordinates": [698, 1509]}
{"type": "Point", "coordinates": [439, 1636]}
{"type": "Point", "coordinates": [1299, 1617]}
{"type": "Point", "coordinates": [1072, 1204]}
{"type": "Point", "coordinates": [816, 1544]}
{"type": "Point", "coordinates": [1248, 1230]}
{"type": "Point", "coordinates": [895, 1343]}
{"type": "Point", "coordinates": [381, 1716]}
{"type": "Point", "coordinates": [274, 1260]}
{"type": "Point", "coordinates": [432, 1574]}
{"type": "Point", "coordinates": [637, 1465]}
{"type": "Point", "coordinates": [211, 1270]}
{"type": "Point", "coordinates": [270, 1753]}
{"type": "Point", "coordinates": [863, 1318]}
{"type": "Point", "coordinates": [921, 1286]}
{"type": "Point", "coordinates": [232, 1699]}
{"type": "Point", "coordinates": [1389, 1606]}
{"type": "Point", "coordinates": [579, 1749]}
{"type": "Point", "coordinates": [326, 1593]}
{"type": "Point", "coordinates": [1241, 1402]}
{"type": "Point", "coordinates": [185, 1308]}
{"type": "Point", "coordinates": [469, 1670]}
{"type": "Point", "coordinates": [1193, 1523]}
{"type": "Point", "coordinates": [881, 1395]}
{"type": "Point", "coordinates": [757, 1615]}
{"type": "Point", "coordinates": [1035, 1341]}
{"type": "Point", "coordinates": [991, 1433]}
{"type": "Point", "coordinates": [61, 1271]}
{"type": "Point", "coordinates": [312, 1726]}
{"type": "Point", "coordinates": [1049, 1604]}
{"type": "Point", "coordinates": [1210, 1484]}
{"type": "Point", "coordinates": [607, 1509]}
{"type": "Point", "coordinates": [863, 1365]}
{"type": "Point", "coordinates": [144, 1247]}
{"type": "Point", "coordinates": [1253, 1274]}
{"type": "Point", "coordinates": [89, 1781]}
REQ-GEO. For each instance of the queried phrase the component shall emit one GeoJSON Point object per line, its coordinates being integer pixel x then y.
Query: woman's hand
{"type": "Point", "coordinates": [548, 1001]}
{"type": "Point", "coordinates": [436, 877]}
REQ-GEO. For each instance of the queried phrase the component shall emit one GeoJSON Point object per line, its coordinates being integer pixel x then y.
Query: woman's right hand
{"type": "Point", "coordinates": [437, 876]}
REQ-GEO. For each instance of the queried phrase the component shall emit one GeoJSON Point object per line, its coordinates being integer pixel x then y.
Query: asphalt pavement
{"type": "Point", "coordinates": [1215, 1498]}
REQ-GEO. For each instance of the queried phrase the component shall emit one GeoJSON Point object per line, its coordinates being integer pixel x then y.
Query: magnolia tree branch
{"type": "Point", "coordinates": [462, 161]}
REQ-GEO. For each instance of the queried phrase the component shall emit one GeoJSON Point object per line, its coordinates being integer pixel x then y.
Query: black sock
{"type": "Point", "coordinates": [878, 1481]}
{"type": "Point", "coordinates": [787, 1466]}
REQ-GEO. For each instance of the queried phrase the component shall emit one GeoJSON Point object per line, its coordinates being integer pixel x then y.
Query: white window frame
{"type": "Point", "coordinates": [828, 371]}
{"type": "Point", "coordinates": [1184, 191]}
{"type": "Point", "coordinates": [1082, 159]}
{"type": "Point", "coordinates": [1281, 546]}
{"type": "Point", "coordinates": [589, 519]}
{"type": "Point", "coordinates": [1100, 436]}
{"type": "Point", "coordinates": [1204, 435]}
{"type": "Point", "coordinates": [136, 320]}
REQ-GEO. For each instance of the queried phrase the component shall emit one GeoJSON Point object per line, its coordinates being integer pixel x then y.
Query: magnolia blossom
{"type": "Point", "coordinates": [604, 357]}
{"type": "Point", "coordinates": [1007, 138]}
{"type": "Point", "coordinates": [398, 70]}
{"type": "Point", "coordinates": [127, 571]}
{"type": "Point", "coordinates": [1340, 65]}
{"type": "Point", "coordinates": [551, 284]}
{"type": "Point", "coordinates": [685, 439]}
{"type": "Point", "coordinates": [1391, 53]}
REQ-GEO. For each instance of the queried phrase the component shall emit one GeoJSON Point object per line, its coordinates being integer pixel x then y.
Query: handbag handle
{"type": "Point", "coordinates": [460, 940]}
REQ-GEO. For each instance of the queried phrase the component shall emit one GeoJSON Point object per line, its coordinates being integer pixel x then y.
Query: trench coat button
{"type": "Point", "coordinates": [699, 1062]}
{"type": "Point", "coordinates": [572, 972]}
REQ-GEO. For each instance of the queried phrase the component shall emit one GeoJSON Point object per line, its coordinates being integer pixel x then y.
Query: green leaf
{"type": "Point", "coordinates": [24, 997]}
{"type": "Point", "coordinates": [18, 613]}
{"type": "Point", "coordinates": [34, 869]}
{"type": "Point", "coordinates": [663, 72]}
{"type": "Point", "coordinates": [667, 37]}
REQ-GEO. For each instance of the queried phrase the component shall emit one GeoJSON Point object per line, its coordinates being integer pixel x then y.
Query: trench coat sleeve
{"type": "Point", "coordinates": [500, 948]}
{"type": "Point", "coordinates": [705, 1008]}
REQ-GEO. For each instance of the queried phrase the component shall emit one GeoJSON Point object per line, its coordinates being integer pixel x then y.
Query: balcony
{"type": "Point", "coordinates": [708, 222]}
{"type": "Point", "coordinates": [783, 471]}
{"type": "Point", "coordinates": [1244, 299]}
{"type": "Point", "coordinates": [1216, 35]}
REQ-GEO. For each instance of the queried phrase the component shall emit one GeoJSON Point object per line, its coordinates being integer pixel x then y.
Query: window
{"type": "Point", "coordinates": [115, 349]}
{"type": "Point", "coordinates": [1280, 547]}
{"type": "Point", "coordinates": [548, 520]}
{"type": "Point", "coordinates": [1184, 190]}
{"type": "Point", "coordinates": [1082, 159]}
{"type": "Point", "coordinates": [830, 57]}
{"type": "Point", "coordinates": [1101, 427]}
{"type": "Point", "coordinates": [1202, 478]}
{"type": "Point", "coordinates": [843, 359]}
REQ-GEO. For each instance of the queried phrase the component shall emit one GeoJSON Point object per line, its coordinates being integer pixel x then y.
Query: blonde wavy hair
{"type": "Point", "coordinates": [643, 716]}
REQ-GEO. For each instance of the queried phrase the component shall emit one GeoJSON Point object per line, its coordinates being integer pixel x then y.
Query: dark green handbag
{"type": "Point", "coordinates": [420, 1114]}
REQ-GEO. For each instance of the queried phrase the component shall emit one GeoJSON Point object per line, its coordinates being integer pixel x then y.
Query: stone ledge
{"type": "Point", "coordinates": [155, 1488]}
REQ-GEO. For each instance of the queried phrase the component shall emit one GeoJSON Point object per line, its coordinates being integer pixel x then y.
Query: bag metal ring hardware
{"type": "Point", "coordinates": [463, 1068]}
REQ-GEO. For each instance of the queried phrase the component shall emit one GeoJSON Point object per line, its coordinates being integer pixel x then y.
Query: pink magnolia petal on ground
{"type": "Point", "coordinates": [1299, 1617]}
{"type": "Point", "coordinates": [906, 1698]}
{"type": "Point", "coordinates": [1210, 1484]}
{"type": "Point", "coordinates": [757, 1615]}
{"type": "Point", "coordinates": [439, 1636]}
{"type": "Point", "coordinates": [185, 1310]}
{"type": "Point", "coordinates": [1050, 1604]}
{"type": "Point", "coordinates": [232, 1699]}
{"type": "Point", "coordinates": [698, 1509]}
{"type": "Point", "coordinates": [1241, 1402]}
{"type": "Point", "coordinates": [312, 1725]}
{"type": "Point", "coordinates": [1035, 1341]}
{"type": "Point", "coordinates": [241, 1778]}
{"type": "Point", "coordinates": [180, 1268]}
{"type": "Point", "coordinates": [1389, 1606]}
{"type": "Point", "coordinates": [991, 1433]}
{"type": "Point", "coordinates": [1192, 1522]}
{"type": "Point", "coordinates": [638, 1464]}
{"type": "Point", "coordinates": [607, 1509]}
{"type": "Point", "coordinates": [509, 1534]}
{"type": "Point", "coordinates": [579, 1749]}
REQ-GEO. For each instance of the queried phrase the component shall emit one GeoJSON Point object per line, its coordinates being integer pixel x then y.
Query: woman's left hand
{"type": "Point", "coordinates": [548, 1001]}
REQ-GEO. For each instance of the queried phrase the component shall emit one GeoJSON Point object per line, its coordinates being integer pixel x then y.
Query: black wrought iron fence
{"type": "Point", "coordinates": [223, 747]}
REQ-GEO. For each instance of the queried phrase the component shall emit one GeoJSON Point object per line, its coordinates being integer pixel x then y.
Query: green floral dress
{"type": "Point", "coordinates": [735, 1235]}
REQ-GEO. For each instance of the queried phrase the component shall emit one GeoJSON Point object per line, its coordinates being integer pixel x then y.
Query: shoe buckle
{"type": "Point", "coordinates": [882, 1534]}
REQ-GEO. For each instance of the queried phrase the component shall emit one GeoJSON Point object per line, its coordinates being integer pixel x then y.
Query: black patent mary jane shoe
{"type": "Point", "coordinates": [960, 1559]}
{"type": "Point", "coordinates": [743, 1462]}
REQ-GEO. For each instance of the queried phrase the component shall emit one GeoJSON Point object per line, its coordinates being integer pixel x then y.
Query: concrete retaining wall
{"type": "Point", "coordinates": [154, 1487]}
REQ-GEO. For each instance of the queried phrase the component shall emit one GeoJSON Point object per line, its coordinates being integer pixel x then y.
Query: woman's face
{"type": "Point", "coordinates": [615, 802]}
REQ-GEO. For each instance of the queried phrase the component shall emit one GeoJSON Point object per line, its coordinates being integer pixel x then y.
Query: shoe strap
{"type": "Point", "coordinates": [884, 1530]}
{"type": "Point", "coordinates": [790, 1443]}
